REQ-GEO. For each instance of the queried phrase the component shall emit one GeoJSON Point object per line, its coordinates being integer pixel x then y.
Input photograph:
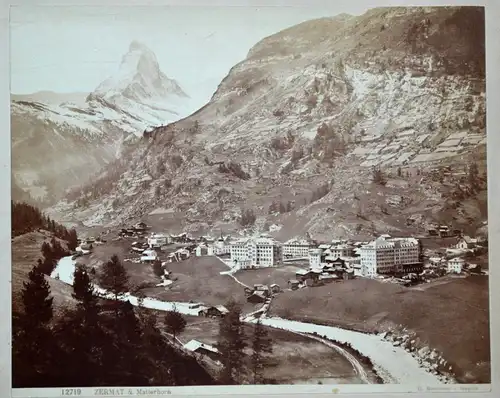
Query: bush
{"type": "Point", "coordinates": [297, 154]}
{"type": "Point", "coordinates": [247, 217]}
{"type": "Point", "coordinates": [177, 161]}
{"type": "Point", "coordinates": [312, 101]}
{"type": "Point", "coordinates": [378, 177]}
{"type": "Point", "coordinates": [235, 169]}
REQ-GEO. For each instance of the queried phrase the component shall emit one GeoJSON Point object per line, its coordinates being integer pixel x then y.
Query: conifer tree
{"type": "Point", "coordinates": [174, 322]}
{"type": "Point", "coordinates": [378, 176]}
{"type": "Point", "coordinates": [83, 291]}
{"type": "Point", "coordinates": [273, 207]}
{"type": "Point", "coordinates": [72, 239]}
{"type": "Point", "coordinates": [261, 345]}
{"type": "Point", "coordinates": [47, 251]}
{"type": "Point", "coordinates": [473, 176]}
{"type": "Point", "coordinates": [157, 268]}
{"type": "Point", "coordinates": [231, 343]}
{"type": "Point", "coordinates": [36, 298]}
{"type": "Point", "coordinates": [32, 348]}
{"type": "Point", "coordinates": [114, 277]}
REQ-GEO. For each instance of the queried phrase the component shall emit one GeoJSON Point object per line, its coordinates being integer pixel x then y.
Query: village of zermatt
{"type": "Point", "coordinates": [320, 220]}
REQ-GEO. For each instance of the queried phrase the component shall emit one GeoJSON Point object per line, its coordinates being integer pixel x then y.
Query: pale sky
{"type": "Point", "coordinates": [72, 49]}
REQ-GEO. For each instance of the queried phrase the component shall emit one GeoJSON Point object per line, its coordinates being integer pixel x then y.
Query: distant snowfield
{"type": "Point", "coordinates": [397, 365]}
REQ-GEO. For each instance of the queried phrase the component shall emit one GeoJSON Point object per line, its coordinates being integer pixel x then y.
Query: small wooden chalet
{"type": "Point", "coordinates": [262, 288]}
{"type": "Point", "coordinates": [293, 284]}
{"type": "Point", "coordinates": [248, 291]}
{"type": "Point", "coordinates": [275, 288]}
{"type": "Point", "coordinates": [218, 311]}
{"type": "Point", "coordinates": [257, 297]}
{"type": "Point", "coordinates": [465, 242]}
{"type": "Point", "coordinates": [203, 349]}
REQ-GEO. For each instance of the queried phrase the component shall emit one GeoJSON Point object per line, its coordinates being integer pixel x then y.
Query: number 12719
{"type": "Point", "coordinates": [71, 391]}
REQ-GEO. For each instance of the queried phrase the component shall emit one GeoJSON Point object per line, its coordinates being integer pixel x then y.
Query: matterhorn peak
{"type": "Point", "coordinates": [139, 78]}
{"type": "Point", "coordinates": [141, 60]}
{"type": "Point", "coordinates": [138, 46]}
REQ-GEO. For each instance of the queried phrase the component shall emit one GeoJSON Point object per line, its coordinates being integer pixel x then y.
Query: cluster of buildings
{"type": "Point", "coordinates": [384, 255]}
{"type": "Point", "coordinates": [261, 293]}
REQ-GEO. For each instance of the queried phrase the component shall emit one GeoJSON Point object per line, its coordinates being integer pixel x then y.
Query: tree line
{"type": "Point", "coordinates": [52, 252]}
{"type": "Point", "coordinates": [100, 342]}
{"type": "Point", "coordinates": [281, 207]}
{"type": "Point", "coordinates": [27, 218]}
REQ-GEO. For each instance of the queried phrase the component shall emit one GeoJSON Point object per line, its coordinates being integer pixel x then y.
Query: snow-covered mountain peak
{"type": "Point", "coordinates": [140, 78]}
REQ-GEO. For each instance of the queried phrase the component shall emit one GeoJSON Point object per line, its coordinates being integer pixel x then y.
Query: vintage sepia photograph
{"type": "Point", "coordinates": [248, 196]}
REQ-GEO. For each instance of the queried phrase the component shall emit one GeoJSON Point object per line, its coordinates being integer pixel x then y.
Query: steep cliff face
{"type": "Point", "coordinates": [60, 142]}
{"type": "Point", "coordinates": [305, 118]}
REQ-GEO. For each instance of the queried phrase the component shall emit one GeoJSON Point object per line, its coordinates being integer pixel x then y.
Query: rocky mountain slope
{"type": "Point", "coordinates": [348, 122]}
{"type": "Point", "coordinates": [56, 145]}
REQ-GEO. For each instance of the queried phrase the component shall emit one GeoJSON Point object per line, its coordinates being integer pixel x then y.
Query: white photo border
{"type": "Point", "coordinates": [492, 12]}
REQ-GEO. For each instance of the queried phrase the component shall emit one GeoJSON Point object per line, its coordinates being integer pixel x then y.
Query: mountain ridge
{"type": "Point", "coordinates": [383, 90]}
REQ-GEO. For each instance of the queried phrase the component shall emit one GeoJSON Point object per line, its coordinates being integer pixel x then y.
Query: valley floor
{"type": "Point", "coordinates": [450, 317]}
{"type": "Point", "coordinates": [393, 364]}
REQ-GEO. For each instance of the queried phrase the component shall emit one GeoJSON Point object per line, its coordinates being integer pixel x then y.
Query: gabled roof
{"type": "Point", "coordinates": [258, 294]}
{"type": "Point", "coordinates": [328, 276]}
{"type": "Point", "coordinates": [194, 345]}
{"type": "Point", "coordinates": [150, 253]}
{"type": "Point", "coordinates": [467, 239]}
{"type": "Point", "coordinates": [222, 309]}
{"type": "Point", "coordinates": [296, 241]}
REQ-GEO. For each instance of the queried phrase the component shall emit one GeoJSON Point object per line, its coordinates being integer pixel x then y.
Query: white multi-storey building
{"type": "Point", "coordinates": [256, 252]}
{"type": "Point", "coordinates": [204, 250]}
{"type": "Point", "coordinates": [297, 248]}
{"type": "Point", "coordinates": [341, 250]}
{"type": "Point", "coordinates": [456, 265]}
{"type": "Point", "coordinates": [158, 240]}
{"type": "Point", "coordinates": [315, 258]}
{"type": "Point", "coordinates": [386, 255]}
